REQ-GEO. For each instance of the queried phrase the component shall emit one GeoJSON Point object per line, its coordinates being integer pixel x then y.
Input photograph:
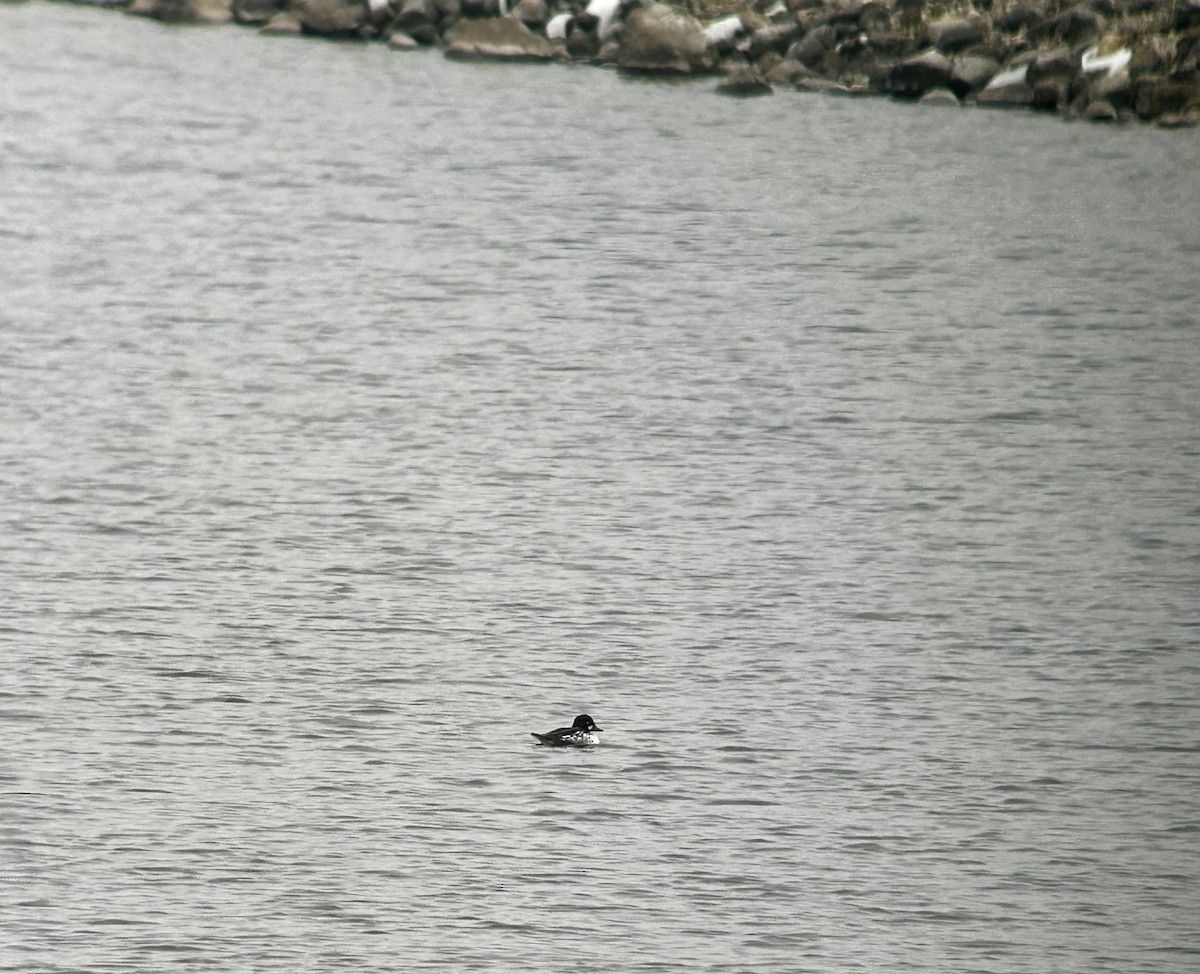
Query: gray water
{"type": "Point", "coordinates": [362, 412]}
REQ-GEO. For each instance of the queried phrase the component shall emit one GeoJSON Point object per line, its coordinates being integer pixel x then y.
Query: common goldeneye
{"type": "Point", "coordinates": [582, 733]}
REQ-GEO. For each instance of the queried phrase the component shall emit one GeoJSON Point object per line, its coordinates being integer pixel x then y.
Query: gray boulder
{"type": "Point", "coordinates": [1100, 111]}
{"type": "Point", "coordinates": [1162, 96]}
{"type": "Point", "coordinates": [1179, 120]}
{"type": "Point", "coordinates": [914, 76]}
{"type": "Point", "coordinates": [419, 20]}
{"type": "Point", "coordinates": [971, 74]}
{"type": "Point", "coordinates": [662, 39]}
{"type": "Point", "coordinates": [1049, 76]}
{"type": "Point", "coordinates": [183, 11]}
{"type": "Point", "coordinates": [1020, 16]}
{"type": "Point", "coordinates": [1009, 89]}
{"type": "Point", "coordinates": [940, 96]}
{"type": "Point", "coordinates": [400, 41]}
{"type": "Point", "coordinates": [583, 41]}
{"type": "Point", "coordinates": [811, 49]}
{"type": "Point", "coordinates": [956, 34]}
{"type": "Point", "coordinates": [1187, 15]}
{"type": "Point", "coordinates": [496, 38]}
{"type": "Point", "coordinates": [255, 11]}
{"type": "Point", "coordinates": [532, 13]}
{"type": "Point", "coordinates": [873, 17]}
{"type": "Point", "coordinates": [823, 86]}
{"type": "Point", "coordinates": [1072, 27]}
{"type": "Point", "coordinates": [787, 72]}
{"type": "Point", "coordinates": [1117, 89]}
{"type": "Point", "coordinates": [330, 16]}
{"type": "Point", "coordinates": [774, 37]}
{"type": "Point", "coordinates": [283, 24]}
{"type": "Point", "coordinates": [744, 82]}
{"type": "Point", "coordinates": [893, 45]}
{"type": "Point", "coordinates": [768, 62]}
{"type": "Point", "coordinates": [480, 9]}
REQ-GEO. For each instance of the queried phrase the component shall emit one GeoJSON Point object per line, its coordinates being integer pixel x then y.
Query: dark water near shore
{"type": "Point", "coordinates": [361, 412]}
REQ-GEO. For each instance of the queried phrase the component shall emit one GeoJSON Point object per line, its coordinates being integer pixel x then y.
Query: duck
{"type": "Point", "coordinates": [581, 733]}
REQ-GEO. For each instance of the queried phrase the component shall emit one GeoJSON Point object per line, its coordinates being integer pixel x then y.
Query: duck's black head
{"type": "Point", "coordinates": [585, 723]}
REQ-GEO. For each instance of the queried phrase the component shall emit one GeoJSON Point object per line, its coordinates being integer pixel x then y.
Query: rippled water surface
{"type": "Point", "coordinates": [361, 412]}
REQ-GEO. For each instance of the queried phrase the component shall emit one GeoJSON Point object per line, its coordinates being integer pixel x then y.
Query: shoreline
{"type": "Point", "coordinates": [1104, 61]}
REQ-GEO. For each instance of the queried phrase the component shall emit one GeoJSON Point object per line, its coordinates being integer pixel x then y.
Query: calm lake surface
{"type": "Point", "coordinates": [362, 412]}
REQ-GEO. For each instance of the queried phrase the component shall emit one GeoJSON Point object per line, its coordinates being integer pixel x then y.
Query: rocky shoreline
{"type": "Point", "coordinates": [1101, 60]}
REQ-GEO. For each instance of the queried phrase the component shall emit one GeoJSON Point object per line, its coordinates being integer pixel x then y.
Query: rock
{"type": "Point", "coordinates": [609, 51]}
{"type": "Point", "coordinates": [1020, 16]}
{"type": "Point", "coordinates": [1056, 65]}
{"type": "Point", "coordinates": [1187, 49]}
{"type": "Point", "coordinates": [914, 76]}
{"type": "Point", "coordinates": [810, 15]}
{"type": "Point", "coordinates": [380, 15]}
{"type": "Point", "coordinates": [1049, 76]}
{"type": "Point", "coordinates": [283, 24]}
{"type": "Point", "coordinates": [1117, 89]}
{"type": "Point", "coordinates": [892, 45]}
{"type": "Point", "coordinates": [496, 38]}
{"type": "Point", "coordinates": [582, 41]}
{"type": "Point", "coordinates": [255, 11]}
{"type": "Point", "coordinates": [1157, 97]}
{"type": "Point", "coordinates": [842, 15]}
{"type": "Point", "coordinates": [849, 18]}
{"type": "Point", "coordinates": [822, 85]}
{"type": "Point", "coordinates": [558, 27]}
{"type": "Point", "coordinates": [480, 9]}
{"type": "Point", "coordinates": [1072, 27]}
{"type": "Point", "coordinates": [768, 62]}
{"type": "Point", "coordinates": [777, 37]}
{"type": "Point", "coordinates": [855, 61]}
{"type": "Point", "coordinates": [183, 11]}
{"type": "Point", "coordinates": [956, 34]}
{"type": "Point", "coordinates": [336, 17]}
{"type": "Point", "coordinates": [909, 12]}
{"type": "Point", "coordinates": [811, 49]}
{"type": "Point", "coordinates": [400, 41]}
{"type": "Point", "coordinates": [1147, 59]}
{"type": "Point", "coordinates": [532, 13]}
{"type": "Point", "coordinates": [662, 39]}
{"type": "Point", "coordinates": [1093, 63]}
{"type": "Point", "coordinates": [1100, 110]}
{"type": "Point", "coordinates": [788, 72]}
{"type": "Point", "coordinates": [1187, 16]}
{"type": "Point", "coordinates": [1115, 8]}
{"type": "Point", "coordinates": [744, 82]}
{"type": "Point", "coordinates": [607, 14]}
{"type": "Point", "coordinates": [1051, 96]}
{"type": "Point", "coordinates": [1008, 89]}
{"type": "Point", "coordinates": [721, 34]}
{"type": "Point", "coordinates": [1179, 120]}
{"type": "Point", "coordinates": [971, 74]}
{"type": "Point", "coordinates": [1012, 96]}
{"type": "Point", "coordinates": [853, 48]}
{"type": "Point", "coordinates": [940, 96]}
{"type": "Point", "coordinates": [199, 11]}
{"type": "Point", "coordinates": [873, 18]}
{"type": "Point", "coordinates": [419, 20]}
